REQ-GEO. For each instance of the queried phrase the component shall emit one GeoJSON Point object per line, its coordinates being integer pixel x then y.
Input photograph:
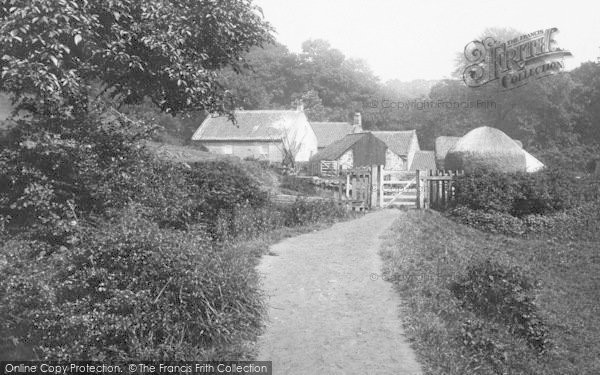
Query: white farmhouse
{"type": "Point", "coordinates": [261, 134]}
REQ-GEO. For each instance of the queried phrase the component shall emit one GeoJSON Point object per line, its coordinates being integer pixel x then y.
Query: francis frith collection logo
{"type": "Point", "coordinates": [515, 62]}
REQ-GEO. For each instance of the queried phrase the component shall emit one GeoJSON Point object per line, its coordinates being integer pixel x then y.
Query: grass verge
{"type": "Point", "coordinates": [425, 254]}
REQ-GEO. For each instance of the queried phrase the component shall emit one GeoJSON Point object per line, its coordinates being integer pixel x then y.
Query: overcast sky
{"type": "Point", "coordinates": [420, 39]}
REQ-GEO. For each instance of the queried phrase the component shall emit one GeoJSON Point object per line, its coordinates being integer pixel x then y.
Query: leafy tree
{"type": "Point", "coordinates": [265, 80]}
{"type": "Point", "coordinates": [331, 86]}
{"type": "Point", "coordinates": [586, 100]}
{"type": "Point", "coordinates": [76, 156]}
{"type": "Point", "coordinates": [53, 50]}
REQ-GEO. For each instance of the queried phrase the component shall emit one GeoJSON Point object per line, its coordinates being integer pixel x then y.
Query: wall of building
{"type": "Point", "coordinates": [414, 147]}
{"type": "Point", "coordinates": [346, 161]}
{"type": "Point", "coordinates": [305, 136]}
{"type": "Point", "coordinates": [262, 150]}
{"type": "Point", "coordinates": [394, 162]}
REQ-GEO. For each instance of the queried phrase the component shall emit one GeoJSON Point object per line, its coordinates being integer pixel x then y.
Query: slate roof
{"type": "Point", "coordinates": [251, 125]}
{"type": "Point", "coordinates": [329, 132]}
{"type": "Point", "coordinates": [423, 160]}
{"type": "Point", "coordinates": [443, 144]}
{"type": "Point", "coordinates": [397, 141]}
{"type": "Point", "coordinates": [337, 148]}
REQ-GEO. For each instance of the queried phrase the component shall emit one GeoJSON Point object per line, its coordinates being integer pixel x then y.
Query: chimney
{"type": "Point", "coordinates": [357, 123]}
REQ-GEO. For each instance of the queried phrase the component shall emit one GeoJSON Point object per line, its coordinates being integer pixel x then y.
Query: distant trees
{"type": "Point", "coordinates": [331, 86]}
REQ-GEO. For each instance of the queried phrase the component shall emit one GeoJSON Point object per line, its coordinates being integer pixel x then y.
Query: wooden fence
{"type": "Point", "coordinates": [435, 188]}
{"type": "Point", "coordinates": [370, 187]}
{"type": "Point", "coordinates": [375, 187]}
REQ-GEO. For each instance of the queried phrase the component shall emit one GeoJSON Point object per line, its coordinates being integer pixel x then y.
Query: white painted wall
{"type": "Point", "coordinates": [346, 161]}
{"type": "Point", "coordinates": [394, 162]}
{"type": "Point", "coordinates": [414, 147]}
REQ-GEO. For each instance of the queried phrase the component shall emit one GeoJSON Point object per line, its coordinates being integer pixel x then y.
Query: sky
{"type": "Point", "coordinates": [419, 39]}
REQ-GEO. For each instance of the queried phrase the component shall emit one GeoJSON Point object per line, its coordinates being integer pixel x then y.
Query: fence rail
{"type": "Point", "coordinates": [374, 186]}
{"type": "Point", "coordinates": [435, 189]}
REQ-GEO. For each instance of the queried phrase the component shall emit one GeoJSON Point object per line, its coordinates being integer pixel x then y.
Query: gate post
{"type": "Point", "coordinates": [380, 184]}
{"type": "Point", "coordinates": [347, 185]}
{"type": "Point", "coordinates": [374, 186]}
{"type": "Point", "coordinates": [420, 191]}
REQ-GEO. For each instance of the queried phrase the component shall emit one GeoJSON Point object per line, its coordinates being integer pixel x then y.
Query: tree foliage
{"type": "Point", "coordinates": [53, 50]}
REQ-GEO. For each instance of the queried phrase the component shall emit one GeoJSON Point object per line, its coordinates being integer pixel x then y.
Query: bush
{"type": "Point", "coordinates": [303, 212]}
{"type": "Point", "coordinates": [506, 295]}
{"type": "Point", "coordinates": [493, 222]}
{"type": "Point", "coordinates": [299, 185]}
{"type": "Point", "coordinates": [129, 291]}
{"type": "Point", "coordinates": [580, 223]}
{"type": "Point", "coordinates": [53, 173]}
{"type": "Point", "coordinates": [487, 191]}
{"type": "Point", "coordinates": [522, 194]}
{"type": "Point", "coordinates": [224, 186]}
{"type": "Point", "coordinates": [245, 222]}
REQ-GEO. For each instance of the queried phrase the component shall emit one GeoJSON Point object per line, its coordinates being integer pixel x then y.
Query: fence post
{"type": "Point", "coordinates": [419, 190]}
{"type": "Point", "coordinates": [374, 182]}
{"type": "Point", "coordinates": [380, 184]}
{"type": "Point", "coordinates": [347, 185]}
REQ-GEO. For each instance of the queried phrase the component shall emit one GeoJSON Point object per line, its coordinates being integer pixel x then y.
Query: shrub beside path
{"type": "Point", "coordinates": [329, 311]}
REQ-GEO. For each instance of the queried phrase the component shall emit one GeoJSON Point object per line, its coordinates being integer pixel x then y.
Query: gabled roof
{"type": "Point", "coordinates": [443, 144]}
{"type": "Point", "coordinates": [337, 148]}
{"type": "Point", "coordinates": [251, 125]}
{"type": "Point", "coordinates": [397, 141]}
{"type": "Point", "coordinates": [423, 160]}
{"type": "Point", "coordinates": [329, 132]}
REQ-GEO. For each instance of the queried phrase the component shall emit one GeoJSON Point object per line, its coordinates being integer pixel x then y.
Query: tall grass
{"type": "Point", "coordinates": [480, 303]}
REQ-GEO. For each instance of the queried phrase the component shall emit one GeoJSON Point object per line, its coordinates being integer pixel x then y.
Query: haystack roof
{"type": "Point", "coordinates": [487, 148]}
{"type": "Point", "coordinates": [532, 164]}
{"type": "Point", "coordinates": [260, 125]}
{"type": "Point", "coordinates": [443, 144]}
{"type": "Point", "coordinates": [423, 160]}
{"type": "Point", "coordinates": [329, 132]}
{"type": "Point", "coordinates": [397, 141]}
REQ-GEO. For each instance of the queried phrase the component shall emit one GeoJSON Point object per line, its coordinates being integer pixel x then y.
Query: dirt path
{"type": "Point", "coordinates": [326, 313]}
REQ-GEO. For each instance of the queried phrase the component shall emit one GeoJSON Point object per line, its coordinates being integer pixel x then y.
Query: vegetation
{"type": "Point", "coordinates": [554, 117]}
{"type": "Point", "coordinates": [162, 275]}
{"type": "Point", "coordinates": [106, 251]}
{"type": "Point", "coordinates": [478, 303]}
{"type": "Point", "coordinates": [505, 301]}
{"type": "Point", "coordinates": [553, 202]}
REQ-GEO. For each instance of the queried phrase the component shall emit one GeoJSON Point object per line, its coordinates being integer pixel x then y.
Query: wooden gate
{"type": "Point", "coordinates": [356, 188]}
{"type": "Point", "coordinates": [371, 187]}
{"type": "Point", "coordinates": [374, 187]}
{"type": "Point", "coordinates": [435, 188]}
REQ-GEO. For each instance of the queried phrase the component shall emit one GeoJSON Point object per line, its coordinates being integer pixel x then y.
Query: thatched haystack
{"type": "Point", "coordinates": [486, 148]}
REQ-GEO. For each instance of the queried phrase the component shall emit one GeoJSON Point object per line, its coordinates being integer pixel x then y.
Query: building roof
{"type": "Point", "coordinates": [329, 132]}
{"type": "Point", "coordinates": [337, 148]}
{"type": "Point", "coordinates": [423, 160]}
{"type": "Point", "coordinates": [397, 141]}
{"type": "Point", "coordinates": [250, 125]}
{"type": "Point", "coordinates": [443, 144]}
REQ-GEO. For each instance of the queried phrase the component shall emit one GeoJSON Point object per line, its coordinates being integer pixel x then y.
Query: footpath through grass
{"type": "Point", "coordinates": [426, 256]}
